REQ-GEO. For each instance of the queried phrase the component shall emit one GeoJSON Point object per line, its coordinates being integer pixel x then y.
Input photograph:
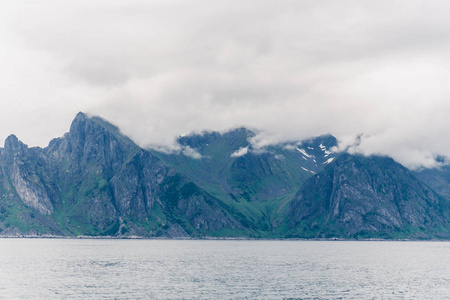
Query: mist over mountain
{"type": "Point", "coordinates": [371, 71]}
{"type": "Point", "coordinates": [95, 181]}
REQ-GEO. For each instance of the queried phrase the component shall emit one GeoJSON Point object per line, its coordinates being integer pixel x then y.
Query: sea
{"type": "Point", "coordinates": [222, 269]}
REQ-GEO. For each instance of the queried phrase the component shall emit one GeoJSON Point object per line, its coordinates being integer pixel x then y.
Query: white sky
{"type": "Point", "coordinates": [294, 69]}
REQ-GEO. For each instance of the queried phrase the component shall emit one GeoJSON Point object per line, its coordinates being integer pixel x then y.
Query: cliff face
{"type": "Point", "coordinates": [95, 181]}
{"type": "Point", "coordinates": [27, 199]}
{"type": "Point", "coordinates": [359, 196]}
{"type": "Point", "coordinates": [22, 166]}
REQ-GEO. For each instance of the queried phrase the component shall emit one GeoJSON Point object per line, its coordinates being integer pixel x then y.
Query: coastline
{"type": "Point", "coordinates": [215, 238]}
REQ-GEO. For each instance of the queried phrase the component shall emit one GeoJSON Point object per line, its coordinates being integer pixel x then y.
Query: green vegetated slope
{"type": "Point", "coordinates": [94, 181]}
{"type": "Point", "coordinates": [255, 182]}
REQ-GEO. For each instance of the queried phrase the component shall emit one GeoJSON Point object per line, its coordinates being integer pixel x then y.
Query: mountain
{"type": "Point", "coordinates": [253, 181]}
{"type": "Point", "coordinates": [364, 197]}
{"type": "Point", "coordinates": [94, 181]}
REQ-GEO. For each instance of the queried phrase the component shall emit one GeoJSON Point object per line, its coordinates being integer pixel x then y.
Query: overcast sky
{"type": "Point", "coordinates": [294, 69]}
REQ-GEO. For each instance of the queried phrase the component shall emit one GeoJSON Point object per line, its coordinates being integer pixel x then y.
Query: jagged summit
{"type": "Point", "coordinates": [12, 141]}
{"type": "Point", "coordinates": [13, 146]}
{"type": "Point", "coordinates": [79, 120]}
{"type": "Point", "coordinates": [83, 118]}
{"type": "Point", "coordinates": [81, 115]}
{"type": "Point", "coordinates": [84, 124]}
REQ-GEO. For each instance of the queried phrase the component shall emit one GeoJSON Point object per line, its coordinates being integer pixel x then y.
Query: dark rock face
{"type": "Point", "coordinates": [359, 196]}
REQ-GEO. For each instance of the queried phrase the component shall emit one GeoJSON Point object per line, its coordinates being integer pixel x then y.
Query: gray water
{"type": "Point", "coordinates": [204, 269]}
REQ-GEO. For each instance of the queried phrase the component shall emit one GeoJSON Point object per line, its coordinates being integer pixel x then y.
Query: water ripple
{"type": "Point", "coordinates": [159, 269]}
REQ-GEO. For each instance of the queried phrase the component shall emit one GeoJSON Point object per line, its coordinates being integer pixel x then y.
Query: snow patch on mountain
{"type": "Point", "coordinates": [328, 161]}
{"type": "Point", "coordinates": [325, 150]}
{"type": "Point", "coordinates": [302, 151]}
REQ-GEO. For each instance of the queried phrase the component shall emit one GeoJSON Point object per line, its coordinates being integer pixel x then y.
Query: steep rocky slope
{"type": "Point", "coordinates": [358, 196]}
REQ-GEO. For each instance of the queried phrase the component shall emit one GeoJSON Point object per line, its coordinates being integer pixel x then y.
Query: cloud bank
{"type": "Point", "coordinates": [293, 69]}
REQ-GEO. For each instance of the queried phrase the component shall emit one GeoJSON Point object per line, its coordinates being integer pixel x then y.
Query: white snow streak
{"type": "Point", "coordinates": [328, 160]}
{"type": "Point", "coordinates": [308, 170]}
{"type": "Point", "coordinates": [304, 153]}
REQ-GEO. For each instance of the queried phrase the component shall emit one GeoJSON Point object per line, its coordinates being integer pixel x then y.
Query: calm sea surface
{"type": "Point", "coordinates": [199, 269]}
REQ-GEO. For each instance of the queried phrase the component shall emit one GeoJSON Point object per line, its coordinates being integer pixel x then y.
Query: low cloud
{"type": "Point", "coordinates": [240, 152]}
{"type": "Point", "coordinates": [292, 69]}
{"type": "Point", "coordinates": [188, 151]}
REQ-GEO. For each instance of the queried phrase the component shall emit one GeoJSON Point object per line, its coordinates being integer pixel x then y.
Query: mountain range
{"type": "Point", "coordinates": [95, 181]}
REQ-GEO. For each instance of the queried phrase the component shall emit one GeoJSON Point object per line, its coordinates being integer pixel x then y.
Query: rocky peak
{"type": "Point", "coordinates": [12, 144]}
{"type": "Point", "coordinates": [80, 117]}
{"type": "Point", "coordinates": [13, 148]}
{"type": "Point", "coordinates": [84, 128]}
{"type": "Point", "coordinates": [78, 127]}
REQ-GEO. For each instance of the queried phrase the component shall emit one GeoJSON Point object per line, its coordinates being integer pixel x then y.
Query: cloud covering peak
{"type": "Point", "coordinates": [294, 69]}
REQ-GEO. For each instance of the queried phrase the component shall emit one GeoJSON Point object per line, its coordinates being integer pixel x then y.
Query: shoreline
{"type": "Point", "coordinates": [216, 238]}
